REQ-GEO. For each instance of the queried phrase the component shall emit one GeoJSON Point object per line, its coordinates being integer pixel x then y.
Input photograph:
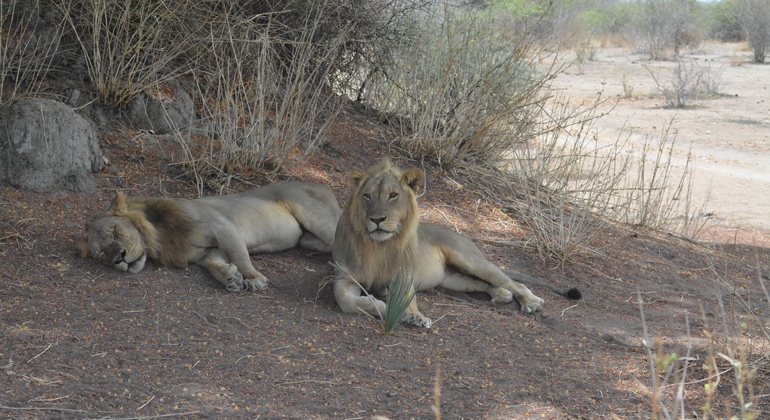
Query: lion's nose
{"type": "Point", "coordinates": [377, 220]}
{"type": "Point", "coordinates": [121, 257]}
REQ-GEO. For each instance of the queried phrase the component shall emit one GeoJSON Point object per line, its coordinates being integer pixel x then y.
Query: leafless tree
{"type": "Point", "coordinates": [661, 24]}
{"type": "Point", "coordinates": [754, 16]}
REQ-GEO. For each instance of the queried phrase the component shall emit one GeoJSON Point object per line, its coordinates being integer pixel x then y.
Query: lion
{"type": "Point", "coordinates": [379, 237]}
{"type": "Point", "coordinates": [218, 233]}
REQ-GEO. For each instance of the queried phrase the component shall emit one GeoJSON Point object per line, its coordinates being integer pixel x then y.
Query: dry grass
{"type": "Point", "coordinates": [129, 46]}
{"type": "Point", "coordinates": [730, 362]}
{"type": "Point", "coordinates": [257, 109]}
{"type": "Point", "coordinates": [27, 50]}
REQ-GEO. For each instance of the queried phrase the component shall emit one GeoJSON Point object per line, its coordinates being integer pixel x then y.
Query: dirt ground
{"type": "Point", "coordinates": [79, 340]}
{"type": "Point", "coordinates": [728, 134]}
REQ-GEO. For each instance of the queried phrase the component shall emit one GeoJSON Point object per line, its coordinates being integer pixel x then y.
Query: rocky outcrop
{"type": "Point", "coordinates": [46, 146]}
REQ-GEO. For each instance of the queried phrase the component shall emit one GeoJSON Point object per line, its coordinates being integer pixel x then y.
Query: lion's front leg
{"type": "Point", "coordinates": [229, 275]}
{"type": "Point", "coordinates": [414, 317]}
{"type": "Point", "coordinates": [347, 293]}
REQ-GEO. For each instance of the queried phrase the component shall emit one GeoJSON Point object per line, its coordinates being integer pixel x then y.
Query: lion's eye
{"type": "Point", "coordinates": [393, 195]}
{"type": "Point", "coordinates": [367, 197]}
{"type": "Point", "coordinates": [116, 234]}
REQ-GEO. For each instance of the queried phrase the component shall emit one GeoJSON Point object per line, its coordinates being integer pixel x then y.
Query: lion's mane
{"type": "Point", "coordinates": [378, 262]}
{"type": "Point", "coordinates": [166, 229]}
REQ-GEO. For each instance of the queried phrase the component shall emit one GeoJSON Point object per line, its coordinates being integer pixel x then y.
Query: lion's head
{"type": "Point", "coordinates": [384, 202]}
{"type": "Point", "coordinates": [121, 236]}
{"type": "Point", "coordinates": [377, 233]}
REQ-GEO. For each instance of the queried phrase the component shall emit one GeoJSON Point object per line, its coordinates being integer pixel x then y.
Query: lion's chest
{"type": "Point", "coordinates": [427, 270]}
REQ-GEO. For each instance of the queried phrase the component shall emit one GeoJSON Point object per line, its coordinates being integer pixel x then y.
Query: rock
{"type": "Point", "coordinates": [46, 146]}
{"type": "Point", "coordinates": [162, 111]}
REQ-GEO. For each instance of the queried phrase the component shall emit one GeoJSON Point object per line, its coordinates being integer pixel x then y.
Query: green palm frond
{"type": "Point", "coordinates": [400, 294]}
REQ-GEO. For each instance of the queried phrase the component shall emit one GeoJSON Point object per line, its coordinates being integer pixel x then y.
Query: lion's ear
{"type": "Point", "coordinates": [85, 251]}
{"type": "Point", "coordinates": [355, 178]}
{"type": "Point", "coordinates": [118, 204]}
{"type": "Point", "coordinates": [413, 178]}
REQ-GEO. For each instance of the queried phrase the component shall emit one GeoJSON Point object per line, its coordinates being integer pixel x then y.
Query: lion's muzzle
{"type": "Point", "coordinates": [376, 229]}
{"type": "Point", "coordinates": [119, 258]}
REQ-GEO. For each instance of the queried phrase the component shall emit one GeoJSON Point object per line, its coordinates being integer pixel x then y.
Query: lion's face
{"type": "Point", "coordinates": [386, 201]}
{"type": "Point", "coordinates": [115, 240]}
{"type": "Point", "coordinates": [120, 236]}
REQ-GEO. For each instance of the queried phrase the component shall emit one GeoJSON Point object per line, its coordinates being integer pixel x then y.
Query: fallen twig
{"type": "Point", "coordinates": [39, 354]}
{"type": "Point", "coordinates": [308, 380]}
{"type": "Point", "coordinates": [145, 404]}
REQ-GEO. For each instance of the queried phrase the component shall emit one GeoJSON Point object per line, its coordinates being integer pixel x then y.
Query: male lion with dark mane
{"type": "Point", "coordinates": [379, 236]}
{"type": "Point", "coordinates": [216, 232]}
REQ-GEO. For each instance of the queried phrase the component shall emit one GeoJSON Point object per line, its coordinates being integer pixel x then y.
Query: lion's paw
{"type": "Point", "coordinates": [532, 304]}
{"type": "Point", "coordinates": [418, 320]}
{"type": "Point", "coordinates": [234, 282]}
{"type": "Point", "coordinates": [500, 295]}
{"type": "Point", "coordinates": [255, 284]}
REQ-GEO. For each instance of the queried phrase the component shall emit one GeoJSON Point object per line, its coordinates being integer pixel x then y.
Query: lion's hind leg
{"type": "Point", "coordinates": [461, 283]}
{"type": "Point", "coordinates": [320, 221]}
{"type": "Point", "coordinates": [227, 273]}
{"type": "Point", "coordinates": [472, 262]}
{"type": "Point", "coordinates": [310, 241]}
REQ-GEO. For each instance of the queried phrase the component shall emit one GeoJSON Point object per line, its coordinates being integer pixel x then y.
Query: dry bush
{"type": "Point", "coordinates": [568, 186]}
{"type": "Point", "coordinates": [268, 74]}
{"type": "Point", "coordinates": [652, 192]}
{"type": "Point", "coordinates": [28, 48]}
{"type": "Point", "coordinates": [731, 362]}
{"type": "Point", "coordinates": [370, 29]}
{"type": "Point", "coordinates": [256, 105]}
{"type": "Point", "coordinates": [462, 90]}
{"type": "Point", "coordinates": [711, 81]}
{"type": "Point", "coordinates": [129, 46]}
{"type": "Point", "coordinates": [686, 81]}
{"type": "Point", "coordinates": [628, 88]}
{"type": "Point", "coordinates": [681, 85]}
{"type": "Point", "coordinates": [661, 24]}
{"type": "Point", "coordinates": [565, 186]}
{"type": "Point", "coordinates": [610, 41]}
{"type": "Point", "coordinates": [565, 183]}
{"type": "Point", "coordinates": [263, 74]}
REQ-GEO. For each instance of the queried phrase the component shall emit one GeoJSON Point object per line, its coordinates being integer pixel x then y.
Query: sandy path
{"type": "Point", "coordinates": [729, 135]}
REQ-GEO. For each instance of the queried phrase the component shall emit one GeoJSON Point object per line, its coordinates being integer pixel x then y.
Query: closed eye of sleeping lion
{"type": "Point", "coordinates": [379, 237]}
{"type": "Point", "coordinates": [217, 232]}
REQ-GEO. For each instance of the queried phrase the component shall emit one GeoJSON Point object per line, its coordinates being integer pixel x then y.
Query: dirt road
{"type": "Point", "coordinates": [729, 133]}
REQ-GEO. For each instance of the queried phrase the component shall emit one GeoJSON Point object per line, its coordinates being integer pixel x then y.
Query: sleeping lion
{"type": "Point", "coordinates": [216, 232]}
{"type": "Point", "coordinates": [379, 237]}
